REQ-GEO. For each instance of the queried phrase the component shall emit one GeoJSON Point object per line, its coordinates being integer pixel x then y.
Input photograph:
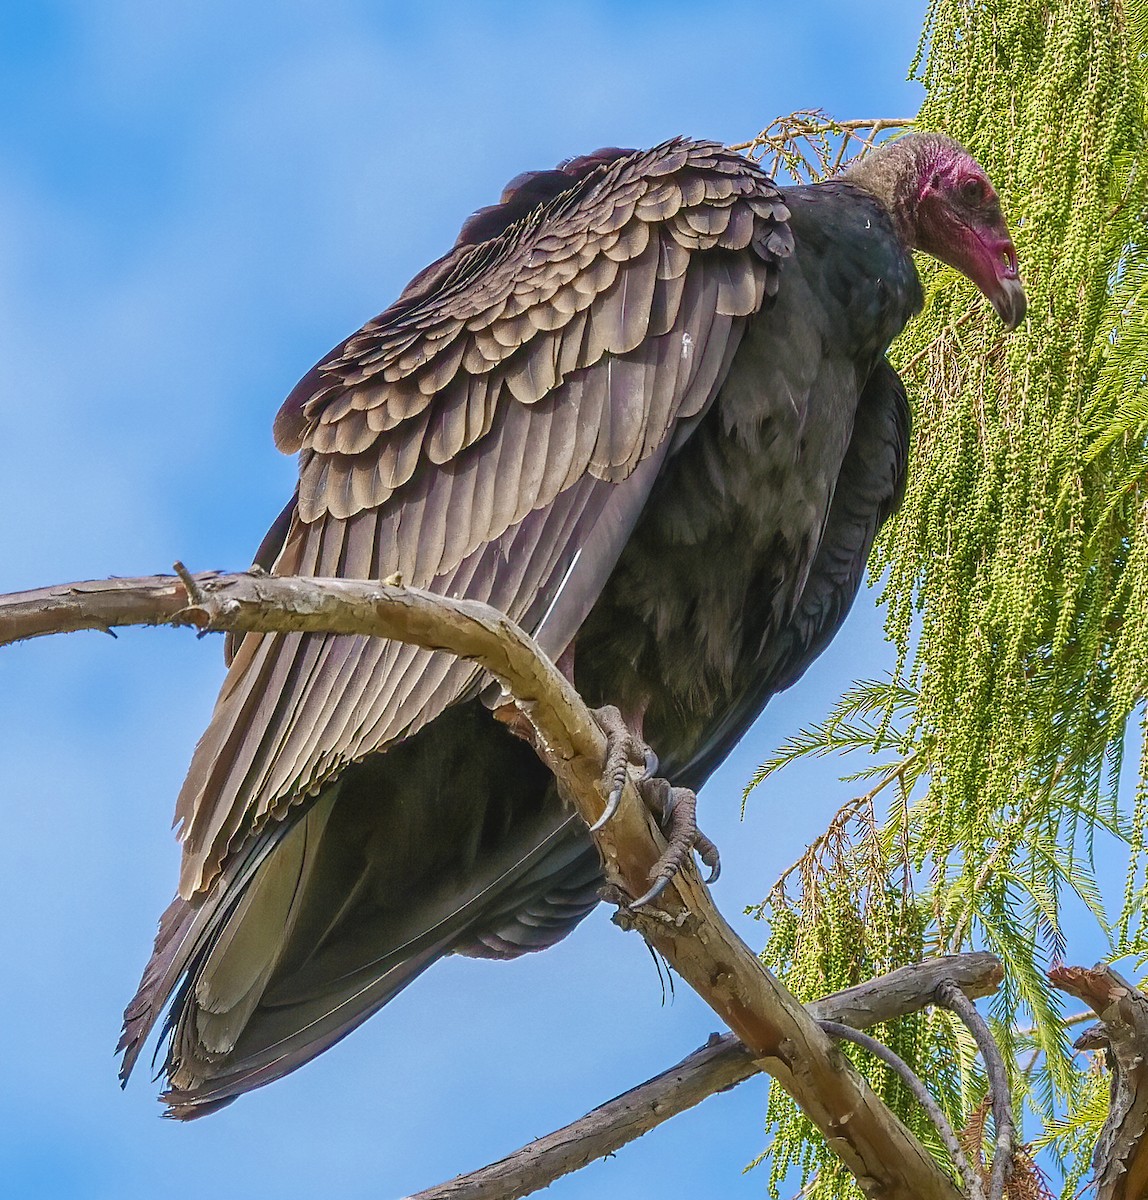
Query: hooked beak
{"type": "Point", "coordinates": [983, 252]}
{"type": "Point", "coordinates": [994, 271]}
{"type": "Point", "coordinates": [1009, 301]}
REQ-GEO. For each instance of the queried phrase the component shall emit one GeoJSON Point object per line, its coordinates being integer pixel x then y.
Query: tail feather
{"type": "Point", "coordinates": [145, 1007]}
{"type": "Point", "coordinates": [185, 928]}
{"type": "Point", "coordinates": [332, 912]}
{"type": "Point", "coordinates": [295, 1036]}
{"type": "Point", "coordinates": [229, 985]}
{"type": "Point", "coordinates": [310, 1011]}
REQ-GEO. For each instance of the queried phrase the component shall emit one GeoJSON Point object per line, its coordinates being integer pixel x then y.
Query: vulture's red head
{"type": "Point", "coordinates": [944, 204]}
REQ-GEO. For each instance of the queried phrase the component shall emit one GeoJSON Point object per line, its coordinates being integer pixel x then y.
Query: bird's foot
{"type": "Point", "coordinates": [675, 808]}
{"type": "Point", "coordinates": [676, 811]}
{"type": "Point", "coordinates": [624, 749]}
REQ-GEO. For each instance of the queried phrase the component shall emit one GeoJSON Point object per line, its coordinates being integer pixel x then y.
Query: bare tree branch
{"type": "Point", "coordinates": [810, 145]}
{"type": "Point", "coordinates": [1000, 1093]}
{"type": "Point", "coordinates": [717, 1066]}
{"type": "Point", "coordinates": [843, 1033]}
{"type": "Point", "coordinates": [1121, 1157]}
{"type": "Point", "coordinates": [682, 925]}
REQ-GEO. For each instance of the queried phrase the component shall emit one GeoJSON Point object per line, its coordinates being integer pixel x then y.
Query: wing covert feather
{"type": "Point", "coordinates": [469, 439]}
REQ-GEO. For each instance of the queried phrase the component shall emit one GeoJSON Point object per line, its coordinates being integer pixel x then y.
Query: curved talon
{"type": "Point", "coordinates": [612, 802]}
{"type": "Point", "coordinates": [674, 807]}
{"type": "Point", "coordinates": [676, 810]}
{"type": "Point", "coordinates": [622, 750]}
{"type": "Point", "coordinates": [708, 853]}
{"type": "Point", "coordinates": [654, 892]}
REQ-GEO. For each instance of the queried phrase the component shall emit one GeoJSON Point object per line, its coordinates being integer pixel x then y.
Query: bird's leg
{"type": "Point", "coordinates": [676, 811]}
{"type": "Point", "coordinates": [516, 721]}
{"type": "Point", "coordinates": [675, 808]}
{"type": "Point", "coordinates": [506, 712]}
{"type": "Point", "coordinates": [565, 664]}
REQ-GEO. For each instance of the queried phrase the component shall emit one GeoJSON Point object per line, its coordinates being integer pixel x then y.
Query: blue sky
{"type": "Point", "coordinates": [196, 201]}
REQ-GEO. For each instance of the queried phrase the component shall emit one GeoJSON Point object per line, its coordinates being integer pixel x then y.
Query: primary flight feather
{"type": "Point", "coordinates": [643, 407]}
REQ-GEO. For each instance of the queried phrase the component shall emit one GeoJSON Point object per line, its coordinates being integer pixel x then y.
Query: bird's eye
{"type": "Point", "coordinates": [973, 191]}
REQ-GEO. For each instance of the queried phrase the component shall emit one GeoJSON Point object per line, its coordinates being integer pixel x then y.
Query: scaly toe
{"type": "Point", "coordinates": [623, 750]}
{"type": "Point", "coordinates": [708, 853]}
{"type": "Point", "coordinates": [676, 810]}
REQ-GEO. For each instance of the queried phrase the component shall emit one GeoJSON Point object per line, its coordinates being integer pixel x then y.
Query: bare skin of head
{"type": "Point", "coordinates": [943, 203]}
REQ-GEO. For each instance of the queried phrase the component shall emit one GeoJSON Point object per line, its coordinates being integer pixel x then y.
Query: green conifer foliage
{"type": "Point", "coordinates": [1016, 585]}
{"type": "Point", "coordinates": [1020, 544]}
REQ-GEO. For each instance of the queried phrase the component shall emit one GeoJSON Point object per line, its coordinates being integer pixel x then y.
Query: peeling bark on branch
{"type": "Point", "coordinates": [1121, 1157]}
{"type": "Point", "coordinates": [683, 925]}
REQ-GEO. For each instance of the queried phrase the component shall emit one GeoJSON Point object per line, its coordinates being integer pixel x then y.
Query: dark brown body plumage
{"type": "Point", "coordinates": [643, 408]}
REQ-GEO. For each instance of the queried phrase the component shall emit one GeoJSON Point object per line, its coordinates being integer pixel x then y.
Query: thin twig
{"type": "Point", "coordinates": [194, 591]}
{"type": "Point", "coordinates": [972, 1179]}
{"type": "Point", "coordinates": [878, 125]}
{"type": "Point", "coordinates": [1033, 1058]}
{"type": "Point", "coordinates": [779, 145]}
{"type": "Point", "coordinates": [849, 811]}
{"type": "Point", "coordinates": [1068, 1022]}
{"type": "Point", "coordinates": [957, 1002]}
{"type": "Point", "coordinates": [959, 323]}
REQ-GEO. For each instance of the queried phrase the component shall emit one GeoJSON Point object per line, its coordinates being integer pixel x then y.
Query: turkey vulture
{"type": "Point", "coordinates": [643, 407]}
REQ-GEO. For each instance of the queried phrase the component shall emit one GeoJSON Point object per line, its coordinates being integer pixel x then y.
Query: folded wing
{"type": "Point", "coordinates": [494, 435]}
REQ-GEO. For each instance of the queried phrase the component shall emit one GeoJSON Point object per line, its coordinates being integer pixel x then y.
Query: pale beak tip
{"type": "Point", "coordinates": [1010, 303]}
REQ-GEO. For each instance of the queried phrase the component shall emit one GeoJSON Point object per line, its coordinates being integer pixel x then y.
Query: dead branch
{"type": "Point", "coordinates": [683, 926]}
{"type": "Point", "coordinates": [844, 1033]}
{"type": "Point", "coordinates": [810, 145]}
{"type": "Point", "coordinates": [1120, 1161]}
{"type": "Point", "coordinates": [1000, 1093]}
{"type": "Point", "coordinates": [717, 1066]}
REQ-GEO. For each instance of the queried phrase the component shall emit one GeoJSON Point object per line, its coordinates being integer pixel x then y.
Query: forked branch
{"type": "Point", "coordinates": [721, 1064]}
{"type": "Point", "coordinates": [1121, 1158]}
{"type": "Point", "coordinates": [810, 145]}
{"type": "Point", "coordinates": [1000, 1095]}
{"type": "Point", "coordinates": [683, 925]}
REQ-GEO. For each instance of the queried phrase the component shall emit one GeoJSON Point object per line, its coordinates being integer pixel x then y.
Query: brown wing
{"type": "Point", "coordinates": [493, 435]}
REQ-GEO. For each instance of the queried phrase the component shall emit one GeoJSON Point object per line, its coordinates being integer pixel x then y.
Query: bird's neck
{"type": "Point", "coordinates": [891, 174]}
